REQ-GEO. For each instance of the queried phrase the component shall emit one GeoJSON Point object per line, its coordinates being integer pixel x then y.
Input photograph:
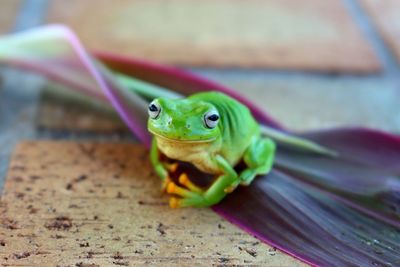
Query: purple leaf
{"type": "Point", "coordinates": [310, 225]}
{"type": "Point", "coordinates": [330, 211]}
{"type": "Point", "coordinates": [366, 175]}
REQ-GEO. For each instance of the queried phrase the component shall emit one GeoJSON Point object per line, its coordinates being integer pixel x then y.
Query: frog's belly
{"type": "Point", "coordinates": [197, 153]}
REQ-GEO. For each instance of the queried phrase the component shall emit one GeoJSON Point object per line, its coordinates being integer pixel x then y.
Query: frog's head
{"type": "Point", "coordinates": [183, 120]}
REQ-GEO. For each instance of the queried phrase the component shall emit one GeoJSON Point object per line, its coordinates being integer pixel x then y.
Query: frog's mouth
{"type": "Point", "coordinates": [182, 140]}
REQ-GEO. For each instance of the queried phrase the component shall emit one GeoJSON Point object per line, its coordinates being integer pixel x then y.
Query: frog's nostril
{"type": "Point", "coordinates": [169, 122]}
{"type": "Point", "coordinates": [188, 126]}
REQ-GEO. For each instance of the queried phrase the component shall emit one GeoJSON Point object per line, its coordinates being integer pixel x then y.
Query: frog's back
{"type": "Point", "coordinates": [237, 125]}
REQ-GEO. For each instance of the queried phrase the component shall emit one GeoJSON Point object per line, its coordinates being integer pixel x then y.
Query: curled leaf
{"type": "Point", "coordinates": [56, 52]}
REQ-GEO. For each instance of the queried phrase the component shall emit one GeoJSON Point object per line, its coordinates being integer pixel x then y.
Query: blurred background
{"type": "Point", "coordinates": [309, 64]}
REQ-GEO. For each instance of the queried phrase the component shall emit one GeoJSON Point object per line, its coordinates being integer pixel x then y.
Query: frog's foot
{"type": "Point", "coordinates": [173, 188]}
{"type": "Point", "coordinates": [171, 167]}
{"type": "Point", "coordinates": [232, 187]}
{"type": "Point", "coordinates": [165, 183]}
{"type": "Point", "coordinates": [175, 202]}
{"type": "Point", "coordinates": [187, 198]}
{"type": "Point", "coordinates": [247, 176]}
{"type": "Point", "coordinates": [184, 180]}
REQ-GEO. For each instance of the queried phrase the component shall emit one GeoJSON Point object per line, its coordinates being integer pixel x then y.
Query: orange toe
{"type": "Point", "coordinates": [183, 179]}
{"type": "Point", "coordinates": [174, 202]}
{"type": "Point", "coordinates": [171, 187]}
{"type": "Point", "coordinates": [165, 183]}
{"type": "Point", "coordinates": [173, 167]}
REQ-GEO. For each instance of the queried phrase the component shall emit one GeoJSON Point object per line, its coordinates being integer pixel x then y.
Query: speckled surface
{"type": "Point", "coordinates": [70, 204]}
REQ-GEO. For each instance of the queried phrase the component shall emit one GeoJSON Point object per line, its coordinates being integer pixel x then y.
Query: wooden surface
{"type": "Point", "coordinates": [385, 15]}
{"type": "Point", "coordinates": [303, 34]}
{"type": "Point", "coordinates": [8, 12]}
{"type": "Point", "coordinates": [71, 204]}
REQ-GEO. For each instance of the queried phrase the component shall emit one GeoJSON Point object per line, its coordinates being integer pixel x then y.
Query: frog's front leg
{"type": "Point", "coordinates": [160, 167]}
{"type": "Point", "coordinates": [259, 158]}
{"type": "Point", "coordinates": [214, 194]}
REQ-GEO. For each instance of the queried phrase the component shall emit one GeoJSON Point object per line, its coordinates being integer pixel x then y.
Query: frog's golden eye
{"type": "Point", "coordinates": [211, 119]}
{"type": "Point", "coordinates": [154, 109]}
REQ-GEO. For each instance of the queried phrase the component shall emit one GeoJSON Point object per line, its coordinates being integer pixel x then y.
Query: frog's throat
{"type": "Point", "coordinates": [182, 140]}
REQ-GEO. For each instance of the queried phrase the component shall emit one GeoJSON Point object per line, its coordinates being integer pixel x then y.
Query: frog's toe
{"type": "Point", "coordinates": [172, 167]}
{"type": "Point", "coordinates": [247, 176]}
{"type": "Point", "coordinates": [184, 180]}
{"type": "Point", "coordinates": [195, 197]}
{"type": "Point", "coordinates": [230, 189]}
{"type": "Point", "coordinates": [165, 183]}
{"type": "Point", "coordinates": [172, 188]}
{"type": "Point", "coordinates": [175, 202]}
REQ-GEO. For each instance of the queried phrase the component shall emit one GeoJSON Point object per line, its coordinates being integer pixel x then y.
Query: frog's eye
{"type": "Point", "coordinates": [211, 119]}
{"type": "Point", "coordinates": [154, 110]}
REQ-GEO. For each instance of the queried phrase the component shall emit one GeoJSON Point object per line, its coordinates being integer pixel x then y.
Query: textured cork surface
{"type": "Point", "coordinates": [385, 15]}
{"type": "Point", "coordinates": [81, 204]}
{"type": "Point", "coordinates": [8, 13]}
{"type": "Point", "coordinates": [303, 34]}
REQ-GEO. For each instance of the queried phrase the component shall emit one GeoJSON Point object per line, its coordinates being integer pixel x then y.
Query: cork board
{"type": "Point", "coordinates": [8, 13]}
{"type": "Point", "coordinates": [282, 34]}
{"type": "Point", "coordinates": [85, 204]}
{"type": "Point", "coordinates": [385, 15]}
